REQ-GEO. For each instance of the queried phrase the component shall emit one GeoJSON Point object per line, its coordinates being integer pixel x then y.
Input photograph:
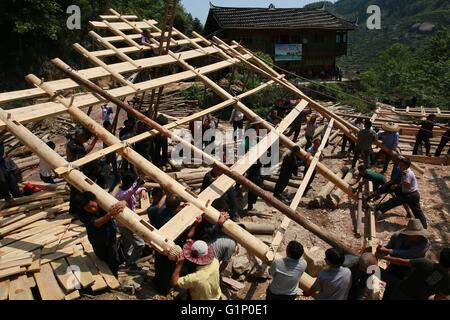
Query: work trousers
{"type": "Point", "coordinates": [351, 147]}
{"type": "Point", "coordinates": [8, 185]}
{"type": "Point", "coordinates": [282, 183]}
{"type": "Point", "coordinates": [164, 268]}
{"type": "Point", "coordinates": [365, 154]}
{"type": "Point", "coordinates": [238, 128]}
{"type": "Point", "coordinates": [411, 199]}
{"type": "Point", "coordinates": [107, 251]}
{"type": "Point", "coordinates": [160, 151]}
{"type": "Point", "coordinates": [422, 138]}
{"type": "Point", "coordinates": [386, 159]}
{"type": "Point", "coordinates": [133, 245]}
{"type": "Point", "coordinates": [441, 147]}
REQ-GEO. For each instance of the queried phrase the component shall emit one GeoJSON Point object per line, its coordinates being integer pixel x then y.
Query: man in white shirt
{"type": "Point", "coordinates": [409, 194]}
{"type": "Point", "coordinates": [286, 274]}
{"type": "Point", "coordinates": [237, 119]}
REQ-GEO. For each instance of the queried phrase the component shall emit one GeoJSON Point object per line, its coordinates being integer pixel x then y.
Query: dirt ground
{"type": "Point", "coordinates": [434, 186]}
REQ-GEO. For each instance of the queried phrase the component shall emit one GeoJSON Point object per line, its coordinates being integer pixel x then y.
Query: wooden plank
{"type": "Point", "coordinates": [4, 289]}
{"type": "Point", "coordinates": [47, 284]}
{"type": "Point", "coordinates": [31, 282]}
{"type": "Point", "coordinates": [65, 276]}
{"type": "Point", "coordinates": [49, 109]}
{"type": "Point", "coordinates": [121, 25]}
{"type": "Point", "coordinates": [187, 215]}
{"type": "Point", "coordinates": [114, 17]}
{"type": "Point", "coordinates": [73, 295]}
{"type": "Point", "coordinates": [19, 262]}
{"type": "Point", "coordinates": [106, 273]}
{"type": "Point", "coordinates": [19, 289]}
{"type": "Point", "coordinates": [84, 276]}
{"type": "Point", "coordinates": [100, 283]}
{"type": "Point", "coordinates": [98, 72]}
{"type": "Point", "coordinates": [61, 253]}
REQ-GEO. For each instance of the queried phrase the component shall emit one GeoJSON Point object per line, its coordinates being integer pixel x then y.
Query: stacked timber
{"type": "Point", "coordinates": [44, 248]}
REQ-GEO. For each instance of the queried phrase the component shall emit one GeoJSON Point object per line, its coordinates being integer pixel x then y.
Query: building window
{"type": "Point", "coordinates": [345, 38]}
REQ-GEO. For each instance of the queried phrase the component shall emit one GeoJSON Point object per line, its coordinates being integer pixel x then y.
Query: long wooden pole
{"type": "Point", "coordinates": [76, 178]}
{"type": "Point", "coordinates": [251, 243]}
{"type": "Point", "coordinates": [219, 165]}
{"type": "Point", "coordinates": [321, 168]}
{"type": "Point", "coordinates": [346, 127]}
{"type": "Point", "coordinates": [286, 210]}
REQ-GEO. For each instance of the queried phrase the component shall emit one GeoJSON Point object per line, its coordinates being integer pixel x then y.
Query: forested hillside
{"type": "Point", "coordinates": [33, 32]}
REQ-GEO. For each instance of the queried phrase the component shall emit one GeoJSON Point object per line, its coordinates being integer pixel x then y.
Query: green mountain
{"type": "Point", "coordinates": [409, 22]}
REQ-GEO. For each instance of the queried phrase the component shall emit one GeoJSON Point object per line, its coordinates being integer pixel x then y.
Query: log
{"type": "Point", "coordinates": [334, 198]}
{"type": "Point", "coordinates": [319, 200]}
{"type": "Point", "coordinates": [81, 182]}
{"type": "Point", "coordinates": [259, 228]}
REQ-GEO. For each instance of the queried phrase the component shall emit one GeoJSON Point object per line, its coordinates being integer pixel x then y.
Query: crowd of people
{"type": "Point", "coordinates": [207, 251]}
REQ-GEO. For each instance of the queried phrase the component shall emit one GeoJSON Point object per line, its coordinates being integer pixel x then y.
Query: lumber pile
{"type": "Point", "coordinates": [44, 248]}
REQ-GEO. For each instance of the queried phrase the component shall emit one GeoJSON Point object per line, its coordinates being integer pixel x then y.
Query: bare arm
{"type": "Point", "coordinates": [113, 211]}
{"type": "Point", "coordinates": [91, 145]}
{"type": "Point", "coordinates": [177, 270]}
{"type": "Point", "coordinates": [398, 261]}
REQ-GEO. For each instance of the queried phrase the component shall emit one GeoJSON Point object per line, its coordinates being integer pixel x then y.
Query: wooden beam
{"type": "Point", "coordinates": [187, 215]}
{"type": "Point", "coordinates": [108, 45]}
{"type": "Point", "coordinates": [81, 182]}
{"type": "Point", "coordinates": [322, 169]}
{"type": "Point", "coordinates": [117, 76]}
{"type": "Point", "coordinates": [98, 72]}
{"type": "Point", "coordinates": [251, 243]}
{"type": "Point", "coordinates": [145, 135]}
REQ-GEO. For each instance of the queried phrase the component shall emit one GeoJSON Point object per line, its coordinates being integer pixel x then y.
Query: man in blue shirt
{"type": "Point", "coordinates": [390, 138]}
{"type": "Point", "coordinates": [163, 265]}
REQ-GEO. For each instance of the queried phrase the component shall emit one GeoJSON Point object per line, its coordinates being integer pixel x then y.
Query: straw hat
{"type": "Point", "coordinates": [390, 126]}
{"type": "Point", "coordinates": [198, 252]}
{"type": "Point", "coordinates": [414, 228]}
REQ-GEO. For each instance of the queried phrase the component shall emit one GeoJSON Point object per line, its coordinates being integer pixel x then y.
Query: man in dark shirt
{"type": "Point", "coordinates": [160, 153]}
{"type": "Point", "coordinates": [100, 227]}
{"type": "Point", "coordinates": [426, 278]}
{"type": "Point", "coordinates": [163, 265]}
{"type": "Point", "coordinates": [8, 176]}
{"type": "Point", "coordinates": [444, 139]}
{"type": "Point", "coordinates": [296, 125]}
{"type": "Point", "coordinates": [289, 167]}
{"type": "Point", "coordinates": [425, 134]}
{"type": "Point", "coordinates": [75, 149]}
{"type": "Point", "coordinates": [359, 266]}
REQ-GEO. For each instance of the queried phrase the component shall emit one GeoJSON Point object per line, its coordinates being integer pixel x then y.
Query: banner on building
{"type": "Point", "coordinates": [288, 52]}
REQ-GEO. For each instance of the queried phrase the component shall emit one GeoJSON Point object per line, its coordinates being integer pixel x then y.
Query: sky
{"type": "Point", "coordinates": [199, 8]}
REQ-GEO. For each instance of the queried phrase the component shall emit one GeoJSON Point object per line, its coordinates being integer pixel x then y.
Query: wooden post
{"type": "Point", "coordinates": [81, 182]}
{"type": "Point", "coordinates": [359, 215]}
{"type": "Point", "coordinates": [251, 243]}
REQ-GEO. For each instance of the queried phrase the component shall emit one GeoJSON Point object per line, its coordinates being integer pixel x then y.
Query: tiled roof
{"type": "Point", "coordinates": [276, 18]}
